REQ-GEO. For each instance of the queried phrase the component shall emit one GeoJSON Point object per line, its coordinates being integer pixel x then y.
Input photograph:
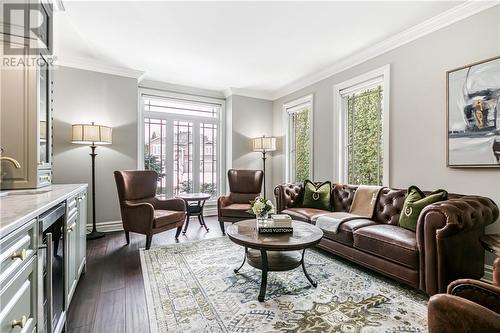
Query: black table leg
{"type": "Point", "coordinates": [263, 282]}
{"type": "Point", "coordinates": [187, 223]}
{"type": "Point", "coordinates": [244, 259]}
{"type": "Point", "coordinates": [203, 221]}
{"type": "Point", "coordinates": [314, 284]}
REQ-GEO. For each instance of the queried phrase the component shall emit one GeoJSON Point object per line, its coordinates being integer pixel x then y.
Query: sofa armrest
{"type": "Point", "coordinates": [448, 240]}
{"type": "Point", "coordinates": [138, 217]}
{"type": "Point", "coordinates": [479, 292]}
{"type": "Point", "coordinates": [287, 195]}
{"type": "Point", "coordinates": [223, 201]}
{"type": "Point", "coordinates": [461, 214]}
{"type": "Point", "coordinates": [170, 204]}
{"type": "Point", "coordinates": [448, 313]}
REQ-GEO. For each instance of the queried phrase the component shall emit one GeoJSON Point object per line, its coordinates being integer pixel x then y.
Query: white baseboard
{"type": "Point", "coordinates": [488, 273]}
{"type": "Point", "coordinates": [111, 226]}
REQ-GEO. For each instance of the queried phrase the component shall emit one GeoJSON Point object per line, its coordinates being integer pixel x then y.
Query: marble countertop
{"type": "Point", "coordinates": [20, 206]}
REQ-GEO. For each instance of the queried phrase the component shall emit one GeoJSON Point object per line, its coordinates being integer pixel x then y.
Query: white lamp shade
{"type": "Point", "coordinates": [264, 143]}
{"type": "Point", "coordinates": [91, 134]}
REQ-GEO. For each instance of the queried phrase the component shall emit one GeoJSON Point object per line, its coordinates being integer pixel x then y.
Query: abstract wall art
{"type": "Point", "coordinates": [473, 115]}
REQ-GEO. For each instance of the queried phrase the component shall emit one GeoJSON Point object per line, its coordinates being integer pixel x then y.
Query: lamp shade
{"type": "Point", "coordinates": [91, 134]}
{"type": "Point", "coordinates": [264, 143]}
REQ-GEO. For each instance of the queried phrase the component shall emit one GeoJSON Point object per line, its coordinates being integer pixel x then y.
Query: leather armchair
{"type": "Point", "coordinates": [141, 210]}
{"type": "Point", "coordinates": [468, 306]}
{"type": "Point", "coordinates": [244, 185]}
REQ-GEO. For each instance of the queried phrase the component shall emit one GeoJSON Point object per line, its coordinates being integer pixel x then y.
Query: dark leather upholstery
{"type": "Point", "coordinates": [346, 230]}
{"type": "Point", "coordinates": [237, 210]}
{"type": "Point", "coordinates": [389, 242]}
{"type": "Point", "coordinates": [444, 247]}
{"type": "Point", "coordinates": [468, 306]}
{"type": "Point", "coordinates": [244, 185]}
{"type": "Point", "coordinates": [305, 214]}
{"type": "Point", "coordinates": [141, 210]}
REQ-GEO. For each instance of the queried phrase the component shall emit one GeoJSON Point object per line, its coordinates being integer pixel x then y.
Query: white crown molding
{"type": "Point", "coordinates": [249, 93]}
{"type": "Point", "coordinates": [177, 88]}
{"type": "Point", "coordinates": [97, 66]}
{"type": "Point", "coordinates": [455, 14]}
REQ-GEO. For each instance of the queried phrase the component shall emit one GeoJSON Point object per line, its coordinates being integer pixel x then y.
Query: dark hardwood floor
{"type": "Point", "coordinates": [110, 295]}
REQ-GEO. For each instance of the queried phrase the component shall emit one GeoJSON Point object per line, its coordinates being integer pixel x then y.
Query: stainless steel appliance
{"type": "Point", "coordinates": [51, 270]}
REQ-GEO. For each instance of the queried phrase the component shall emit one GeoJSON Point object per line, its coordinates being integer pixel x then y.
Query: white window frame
{"type": "Point", "coordinates": [379, 76]}
{"type": "Point", "coordinates": [287, 109]}
{"type": "Point", "coordinates": [221, 131]}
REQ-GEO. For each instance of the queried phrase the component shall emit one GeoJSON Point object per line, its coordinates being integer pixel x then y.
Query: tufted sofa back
{"type": "Point", "coordinates": [389, 203]}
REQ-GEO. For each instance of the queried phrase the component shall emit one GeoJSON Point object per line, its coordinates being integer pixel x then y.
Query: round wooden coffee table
{"type": "Point", "coordinates": [274, 252]}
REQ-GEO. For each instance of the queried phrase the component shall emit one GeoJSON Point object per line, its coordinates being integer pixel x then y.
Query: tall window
{"type": "Point", "coordinates": [181, 136]}
{"type": "Point", "coordinates": [299, 139]}
{"type": "Point", "coordinates": [364, 136]}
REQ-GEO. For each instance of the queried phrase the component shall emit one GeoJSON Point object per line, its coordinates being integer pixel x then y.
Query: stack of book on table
{"type": "Point", "coordinates": [278, 224]}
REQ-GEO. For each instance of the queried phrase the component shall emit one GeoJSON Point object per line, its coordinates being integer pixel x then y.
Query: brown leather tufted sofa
{"type": "Point", "coordinates": [445, 246]}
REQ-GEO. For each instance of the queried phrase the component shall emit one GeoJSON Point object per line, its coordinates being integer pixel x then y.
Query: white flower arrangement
{"type": "Point", "coordinates": [261, 207]}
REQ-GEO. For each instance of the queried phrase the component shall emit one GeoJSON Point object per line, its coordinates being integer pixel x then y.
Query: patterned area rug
{"type": "Point", "coordinates": [191, 287]}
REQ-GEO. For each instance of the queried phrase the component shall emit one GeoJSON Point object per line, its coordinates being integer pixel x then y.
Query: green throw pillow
{"type": "Point", "coordinates": [317, 196]}
{"type": "Point", "coordinates": [415, 202]}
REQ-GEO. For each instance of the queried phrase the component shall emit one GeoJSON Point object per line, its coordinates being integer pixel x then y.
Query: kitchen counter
{"type": "Point", "coordinates": [20, 206]}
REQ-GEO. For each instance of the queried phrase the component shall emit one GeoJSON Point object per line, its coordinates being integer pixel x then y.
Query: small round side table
{"type": "Point", "coordinates": [491, 243]}
{"type": "Point", "coordinates": [194, 207]}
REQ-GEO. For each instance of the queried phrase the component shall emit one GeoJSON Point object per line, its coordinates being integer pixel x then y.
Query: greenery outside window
{"type": "Point", "coordinates": [364, 136]}
{"type": "Point", "coordinates": [363, 149]}
{"type": "Point", "coordinates": [299, 139]}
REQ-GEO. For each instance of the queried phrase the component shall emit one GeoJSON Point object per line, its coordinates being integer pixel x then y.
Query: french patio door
{"type": "Point", "coordinates": [183, 149]}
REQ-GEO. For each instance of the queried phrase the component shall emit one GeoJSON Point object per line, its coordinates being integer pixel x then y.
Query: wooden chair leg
{"type": "Point", "coordinates": [179, 229]}
{"type": "Point", "coordinates": [149, 238]}
{"type": "Point", "coordinates": [222, 227]}
{"type": "Point", "coordinates": [127, 237]}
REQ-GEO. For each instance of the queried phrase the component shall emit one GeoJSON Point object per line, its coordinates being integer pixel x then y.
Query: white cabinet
{"type": "Point", "coordinates": [82, 232]}
{"type": "Point", "coordinates": [18, 280]}
{"type": "Point", "coordinates": [75, 242]}
{"type": "Point", "coordinates": [26, 103]}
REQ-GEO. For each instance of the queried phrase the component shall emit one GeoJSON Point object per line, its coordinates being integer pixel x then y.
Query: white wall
{"type": "Point", "coordinates": [82, 97]}
{"type": "Point", "coordinates": [417, 106]}
{"type": "Point", "coordinates": [250, 118]}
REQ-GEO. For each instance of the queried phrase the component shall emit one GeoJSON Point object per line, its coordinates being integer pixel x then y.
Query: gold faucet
{"type": "Point", "coordinates": [10, 159]}
{"type": "Point", "coordinates": [13, 161]}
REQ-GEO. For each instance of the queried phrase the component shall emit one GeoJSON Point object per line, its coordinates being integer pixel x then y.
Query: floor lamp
{"type": "Point", "coordinates": [92, 135]}
{"type": "Point", "coordinates": [264, 144]}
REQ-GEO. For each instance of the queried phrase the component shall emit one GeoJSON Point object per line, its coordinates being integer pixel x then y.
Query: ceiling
{"type": "Point", "coordinates": [256, 46]}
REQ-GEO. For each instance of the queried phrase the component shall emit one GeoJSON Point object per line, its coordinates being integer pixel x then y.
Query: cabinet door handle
{"type": "Point", "coordinates": [19, 254]}
{"type": "Point", "coordinates": [19, 322]}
